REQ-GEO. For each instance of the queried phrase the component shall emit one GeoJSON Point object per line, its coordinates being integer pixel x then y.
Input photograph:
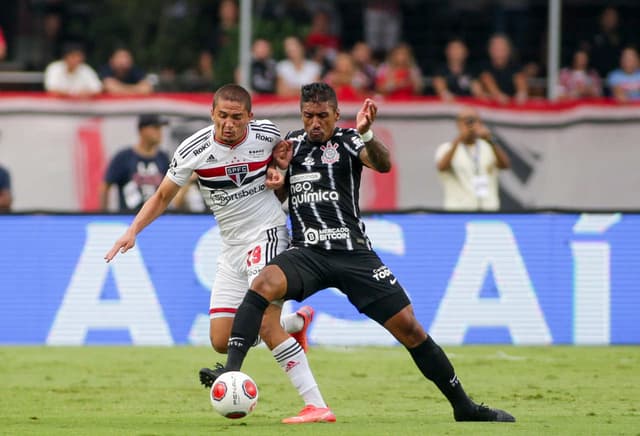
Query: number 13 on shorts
{"type": "Point", "coordinates": [254, 256]}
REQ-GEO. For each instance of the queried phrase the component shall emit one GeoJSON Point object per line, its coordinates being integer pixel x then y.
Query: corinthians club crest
{"type": "Point", "coordinates": [237, 173]}
{"type": "Point", "coordinates": [330, 153]}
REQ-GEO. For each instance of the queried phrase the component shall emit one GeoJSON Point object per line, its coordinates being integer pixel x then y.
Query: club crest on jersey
{"type": "Point", "coordinates": [330, 153]}
{"type": "Point", "coordinates": [237, 173]}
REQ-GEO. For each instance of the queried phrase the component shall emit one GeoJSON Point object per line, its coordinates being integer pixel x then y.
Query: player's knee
{"type": "Point", "coordinates": [219, 344]}
{"type": "Point", "coordinates": [270, 283]}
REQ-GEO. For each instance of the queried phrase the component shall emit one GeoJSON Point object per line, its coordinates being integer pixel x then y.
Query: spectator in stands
{"type": "Point", "coordinates": [264, 73]}
{"type": "Point", "coordinates": [579, 81]}
{"type": "Point", "coordinates": [361, 54]}
{"type": "Point", "coordinates": [3, 45]}
{"type": "Point", "coordinates": [501, 77]}
{"type": "Point", "coordinates": [200, 78]}
{"type": "Point", "coordinates": [399, 76]}
{"type": "Point", "coordinates": [225, 41]}
{"type": "Point", "coordinates": [137, 171]}
{"type": "Point", "coordinates": [70, 76]}
{"type": "Point", "coordinates": [468, 166]}
{"type": "Point", "coordinates": [382, 24]}
{"type": "Point", "coordinates": [295, 70]}
{"type": "Point", "coordinates": [608, 43]}
{"type": "Point", "coordinates": [121, 77]}
{"type": "Point", "coordinates": [454, 78]}
{"type": "Point", "coordinates": [5, 190]}
{"type": "Point", "coordinates": [625, 81]}
{"type": "Point", "coordinates": [347, 81]}
{"type": "Point", "coordinates": [321, 40]}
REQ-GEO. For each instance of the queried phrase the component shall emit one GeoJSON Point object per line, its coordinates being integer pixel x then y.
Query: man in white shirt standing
{"type": "Point", "coordinates": [468, 166]}
{"type": "Point", "coordinates": [70, 76]}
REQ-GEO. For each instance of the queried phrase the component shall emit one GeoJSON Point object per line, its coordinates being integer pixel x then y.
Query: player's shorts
{"type": "Point", "coordinates": [238, 265]}
{"type": "Point", "coordinates": [366, 281]}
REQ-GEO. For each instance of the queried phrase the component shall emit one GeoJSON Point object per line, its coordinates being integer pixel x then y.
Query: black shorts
{"type": "Point", "coordinates": [367, 282]}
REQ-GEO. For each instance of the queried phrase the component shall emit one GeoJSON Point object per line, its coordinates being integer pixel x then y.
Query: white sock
{"type": "Point", "coordinates": [292, 323]}
{"type": "Point", "coordinates": [294, 363]}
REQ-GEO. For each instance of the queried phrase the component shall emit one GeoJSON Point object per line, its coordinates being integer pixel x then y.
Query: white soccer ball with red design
{"type": "Point", "coordinates": [234, 395]}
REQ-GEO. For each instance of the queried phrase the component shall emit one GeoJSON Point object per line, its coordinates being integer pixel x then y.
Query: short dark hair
{"type": "Point", "coordinates": [233, 92]}
{"type": "Point", "coordinates": [318, 92]}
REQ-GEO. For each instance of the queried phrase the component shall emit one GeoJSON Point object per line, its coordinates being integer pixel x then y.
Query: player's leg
{"type": "Point", "coordinates": [381, 298]}
{"type": "Point", "coordinates": [288, 274]}
{"type": "Point", "coordinates": [435, 365]}
{"type": "Point", "coordinates": [293, 361]}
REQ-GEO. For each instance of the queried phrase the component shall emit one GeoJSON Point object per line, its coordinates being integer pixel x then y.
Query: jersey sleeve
{"type": "Point", "coordinates": [267, 128]}
{"type": "Point", "coordinates": [180, 168]}
{"type": "Point", "coordinates": [352, 142]}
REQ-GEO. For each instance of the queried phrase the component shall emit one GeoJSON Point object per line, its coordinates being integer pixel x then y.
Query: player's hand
{"type": "Point", "coordinates": [275, 180]}
{"type": "Point", "coordinates": [283, 153]}
{"type": "Point", "coordinates": [366, 116]}
{"type": "Point", "coordinates": [122, 245]}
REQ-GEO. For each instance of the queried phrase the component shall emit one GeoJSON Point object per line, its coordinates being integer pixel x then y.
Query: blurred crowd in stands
{"type": "Point", "coordinates": [361, 48]}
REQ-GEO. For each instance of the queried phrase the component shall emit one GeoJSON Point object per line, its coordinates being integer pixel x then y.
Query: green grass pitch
{"type": "Point", "coordinates": [373, 391]}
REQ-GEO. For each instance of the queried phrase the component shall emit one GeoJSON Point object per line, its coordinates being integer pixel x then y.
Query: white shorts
{"type": "Point", "coordinates": [238, 265]}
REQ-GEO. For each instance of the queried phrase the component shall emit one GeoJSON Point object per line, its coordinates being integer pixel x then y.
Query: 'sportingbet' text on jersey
{"type": "Point", "coordinates": [232, 179]}
{"type": "Point", "coordinates": [324, 184]}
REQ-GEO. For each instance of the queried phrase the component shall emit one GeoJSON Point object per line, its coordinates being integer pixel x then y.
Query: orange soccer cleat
{"type": "Point", "coordinates": [306, 312]}
{"type": "Point", "coordinates": [311, 414]}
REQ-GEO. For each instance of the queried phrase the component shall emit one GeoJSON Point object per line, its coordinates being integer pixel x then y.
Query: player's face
{"type": "Point", "coordinates": [319, 120]}
{"type": "Point", "coordinates": [230, 119]}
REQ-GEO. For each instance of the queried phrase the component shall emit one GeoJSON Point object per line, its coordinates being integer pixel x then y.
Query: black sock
{"type": "Point", "coordinates": [435, 366]}
{"type": "Point", "coordinates": [245, 329]}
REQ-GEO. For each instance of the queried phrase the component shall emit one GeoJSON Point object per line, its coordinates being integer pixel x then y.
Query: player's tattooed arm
{"type": "Point", "coordinates": [375, 154]}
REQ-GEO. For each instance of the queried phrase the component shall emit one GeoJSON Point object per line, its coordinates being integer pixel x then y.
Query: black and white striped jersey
{"type": "Point", "coordinates": [324, 184]}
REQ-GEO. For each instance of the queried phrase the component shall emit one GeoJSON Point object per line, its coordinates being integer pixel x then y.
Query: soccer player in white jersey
{"type": "Point", "coordinates": [231, 159]}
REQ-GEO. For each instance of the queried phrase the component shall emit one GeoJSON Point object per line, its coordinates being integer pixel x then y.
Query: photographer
{"type": "Point", "coordinates": [468, 166]}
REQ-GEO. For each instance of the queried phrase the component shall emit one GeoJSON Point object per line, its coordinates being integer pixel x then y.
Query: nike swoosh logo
{"type": "Point", "coordinates": [393, 281]}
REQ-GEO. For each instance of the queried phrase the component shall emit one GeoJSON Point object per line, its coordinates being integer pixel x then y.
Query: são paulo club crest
{"type": "Point", "coordinates": [237, 173]}
{"type": "Point", "coordinates": [330, 153]}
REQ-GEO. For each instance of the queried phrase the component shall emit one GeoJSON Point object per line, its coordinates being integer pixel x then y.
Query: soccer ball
{"type": "Point", "coordinates": [234, 395]}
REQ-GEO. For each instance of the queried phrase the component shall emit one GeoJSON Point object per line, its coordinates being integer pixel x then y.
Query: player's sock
{"type": "Point", "coordinates": [293, 361]}
{"type": "Point", "coordinates": [435, 365]}
{"type": "Point", "coordinates": [292, 323]}
{"type": "Point", "coordinates": [245, 328]}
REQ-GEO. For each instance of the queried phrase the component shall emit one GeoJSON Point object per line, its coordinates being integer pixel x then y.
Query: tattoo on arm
{"type": "Point", "coordinates": [378, 155]}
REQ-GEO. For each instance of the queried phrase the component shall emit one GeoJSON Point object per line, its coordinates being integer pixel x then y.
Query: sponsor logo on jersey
{"type": "Point", "coordinates": [330, 154]}
{"type": "Point", "coordinates": [200, 149]}
{"type": "Point", "coordinates": [220, 197]}
{"type": "Point", "coordinates": [211, 158]}
{"type": "Point", "coordinates": [237, 173]}
{"type": "Point", "coordinates": [256, 153]}
{"type": "Point", "coordinates": [309, 161]}
{"type": "Point", "coordinates": [306, 177]}
{"type": "Point", "coordinates": [382, 273]}
{"type": "Point", "coordinates": [314, 236]}
{"type": "Point", "coordinates": [262, 137]}
{"type": "Point", "coordinates": [303, 192]}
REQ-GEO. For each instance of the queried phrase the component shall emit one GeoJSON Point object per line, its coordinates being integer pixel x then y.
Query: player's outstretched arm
{"type": "Point", "coordinates": [152, 209]}
{"type": "Point", "coordinates": [375, 154]}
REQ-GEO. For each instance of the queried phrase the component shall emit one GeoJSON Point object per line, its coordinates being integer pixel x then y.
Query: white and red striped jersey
{"type": "Point", "coordinates": [232, 179]}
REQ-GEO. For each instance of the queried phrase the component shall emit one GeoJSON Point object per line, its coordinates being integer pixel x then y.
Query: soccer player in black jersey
{"type": "Point", "coordinates": [330, 247]}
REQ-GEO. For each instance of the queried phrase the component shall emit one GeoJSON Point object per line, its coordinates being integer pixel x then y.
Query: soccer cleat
{"type": "Point", "coordinates": [311, 414]}
{"type": "Point", "coordinates": [306, 312]}
{"type": "Point", "coordinates": [480, 412]}
{"type": "Point", "coordinates": [208, 376]}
